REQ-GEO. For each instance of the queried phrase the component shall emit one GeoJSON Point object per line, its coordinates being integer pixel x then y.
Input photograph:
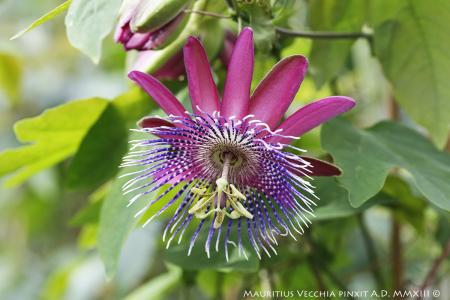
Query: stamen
{"type": "Point", "coordinates": [226, 195]}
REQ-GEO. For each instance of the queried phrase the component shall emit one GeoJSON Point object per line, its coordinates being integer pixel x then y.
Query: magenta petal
{"type": "Point", "coordinates": [152, 122]}
{"type": "Point", "coordinates": [318, 168]}
{"type": "Point", "coordinates": [312, 115]}
{"type": "Point", "coordinates": [322, 168]}
{"type": "Point", "coordinates": [236, 94]}
{"type": "Point", "coordinates": [137, 41]}
{"type": "Point", "coordinates": [202, 88]}
{"type": "Point", "coordinates": [165, 99]}
{"type": "Point", "coordinates": [275, 93]}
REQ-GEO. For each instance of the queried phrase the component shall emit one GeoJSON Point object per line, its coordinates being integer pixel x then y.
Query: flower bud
{"type": "Point", "coordinates": [150, 24]}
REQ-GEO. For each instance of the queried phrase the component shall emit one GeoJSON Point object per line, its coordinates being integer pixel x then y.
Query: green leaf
{"type": "Point", "coordinates": [102, 149]}
{"type": "Point", "coordinates": [413, 50]}
{"type": "Point", "coordinates": [334, 202]}
{"type": "Point", "coordinates": [383, 10]}
{"type": "Point", "coordinates": [55, 135]}
{"type": "Point", "coordinates": [90, 213]}
{"type": "Point", "coordinates": [366, 156]}
{"type": "Point", "coordinates": [117, 219]}
{"type": "Point", "coordinates": [87, 215]}
{"type": "Point", "coordinates": [100, 153]}
{"type": "Point", "coordinates": [10, 77]}
{"type": "Point", "coordinates": [47, 17]}
{"type": "Point", "coordinates": [116, 222]}
{"type": "Point", "coordinates": [328, 57]}
{"type": "Point", "coordinates": [408, 206]}
{"type": "Point", "coordinates": [158, 287]}
{"type": "Point", "coordinates": [55, 286]}
{"type": "Point", "coordinates": [133, 105]}
{"type": "Point", "coordinates": [88, 22]}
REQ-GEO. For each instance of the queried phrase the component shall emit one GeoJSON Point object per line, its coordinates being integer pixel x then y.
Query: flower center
{"type": "Point", "coordinates": [224, 196]}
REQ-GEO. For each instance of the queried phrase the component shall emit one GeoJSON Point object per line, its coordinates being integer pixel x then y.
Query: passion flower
{"type": "Point", "coordinates": [226, 163]}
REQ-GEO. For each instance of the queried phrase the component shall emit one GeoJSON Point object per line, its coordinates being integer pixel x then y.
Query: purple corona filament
{"type": "Point", "coordinates": [229, 165]}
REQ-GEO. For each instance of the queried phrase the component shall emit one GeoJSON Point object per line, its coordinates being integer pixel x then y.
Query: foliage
{"type": "Point", "coordinates": [62, 183]}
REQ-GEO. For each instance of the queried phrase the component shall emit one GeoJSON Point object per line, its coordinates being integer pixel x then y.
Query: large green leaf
{"type": "Point", "coordinates": [116, 222]}
{"type": "Point", "coordinates": [101, 151]}
{"type": "Point", "coordinates": [413, 50]}
{"type": "Point", "coordinates": [55, 135]}
{"type": "Point", "coordinates": [47, 17]}
{"type": "Point", "coordinates": [328, 57]}
{"type": "Point", "coordinates": [334, 202]}
{"type": "Point", "coordinates": [158, 287]}
{"type": "Point", "coordinates": [408, 206]}
{"type": "Point", "coordinates": [99, 155]}
{"type": "Point", "coordinates": [117, 219]}
{"type": "Point", "coordinates": [88, 22]}
{"type": "Point", "coordinates": [366, 156]}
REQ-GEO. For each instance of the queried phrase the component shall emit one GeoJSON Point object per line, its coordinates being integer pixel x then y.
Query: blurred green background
{"type": "Point", "coordinates": [48, 231]}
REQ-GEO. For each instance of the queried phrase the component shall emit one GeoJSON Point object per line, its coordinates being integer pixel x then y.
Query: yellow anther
{"type": "Point", "coordinates": [234, 214]}
{"type": "Point", "coordinates": [199, 205]}
{"type": "Point", "coordinates": [198, 191]}
{"type": "Point", "coordinates": [219, 201]}
{"type": "Point", "coordinates": [202, 214]}
{"type": "Point", "coordinates": [220, 216]}
{"type": "Point", "coordinates": [243, 211]}
{"type": "Point", "coordinates": [235, 192]}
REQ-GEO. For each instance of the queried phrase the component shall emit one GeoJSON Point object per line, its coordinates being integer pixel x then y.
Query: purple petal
{"type": "Point", "coordinates": [312, 115]}
{"type": "Point", "coordinates": [137, 41]}
{"type": "Point", "coordinates": [152, 122]}
{"type": "Point", "coordinates": [275, 93]}
{"type": "Point", "coordinates": [171, 69]}
{"type": "Point", "coordinates": [236, 94]}
{"type": "Point", "coordinates": [228, 46]}
{"type": "Point", "coordinates": [123, 34]}
{"type": "Point", "coordinates": [165, 99]}
{"type": "Point", "coordinates": [322, 168]}
{"type": "Point", "coordinates": [202, 88]}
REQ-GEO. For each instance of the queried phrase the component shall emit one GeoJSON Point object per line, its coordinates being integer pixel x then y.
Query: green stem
{"type": "Point", "coordinates": [397, 255]}
{"type": "Point", "coordinates": [324, 34]}
{"type": "Point", "coordinates": [434, 268]}
{"type": "Point", "coordinates": [371, 252]}
{"type": "Point", "coordinates": [219, 286]}
{"type": "Point", "coordinates": [207, 13]}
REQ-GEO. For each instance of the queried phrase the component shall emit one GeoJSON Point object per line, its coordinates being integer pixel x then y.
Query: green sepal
{"type": "Point", "coordinates": [150, 15]}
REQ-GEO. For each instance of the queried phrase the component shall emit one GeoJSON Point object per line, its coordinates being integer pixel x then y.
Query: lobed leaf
{"type": "Point", "coordinates": [100, 153]}
{"type": "Point", "coordinates": [334, 202]}
{"type": "Point", "coordinates": [412, 47]}
{"type": "Point", "coordinates": [367, 156]}
{"type": "Point", "coordinates": [54, 136]}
